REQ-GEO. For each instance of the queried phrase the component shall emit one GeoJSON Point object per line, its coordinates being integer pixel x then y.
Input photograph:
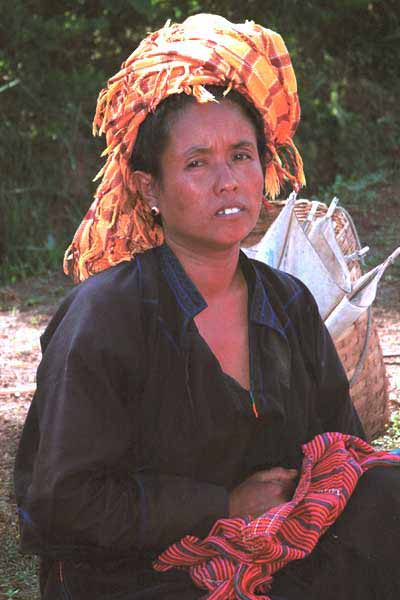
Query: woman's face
{"type": "Point", "coordinates": [211, 187]}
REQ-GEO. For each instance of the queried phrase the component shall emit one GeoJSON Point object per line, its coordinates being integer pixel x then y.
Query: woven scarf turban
{"type": "Point", "coordinates": [181, 58]}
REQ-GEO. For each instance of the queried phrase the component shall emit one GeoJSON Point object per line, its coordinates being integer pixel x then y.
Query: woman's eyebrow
{"type": "Point", "coordinates": [206, 149]}
{"type": "Point", "coordinates": [242, 143]}
{"type": "Point", "coordinates": [196, 149]}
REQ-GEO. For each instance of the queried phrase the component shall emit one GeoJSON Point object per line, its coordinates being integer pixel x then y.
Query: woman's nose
{"type": "Point", "coordinates": [225, 180]}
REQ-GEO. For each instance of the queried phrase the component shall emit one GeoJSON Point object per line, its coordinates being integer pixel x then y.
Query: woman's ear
{"type": "Point", "coordinates": [147, 188]}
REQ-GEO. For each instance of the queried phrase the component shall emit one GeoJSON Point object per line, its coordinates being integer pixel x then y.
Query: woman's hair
{"type": "Point", "coordinates": [153, 134]}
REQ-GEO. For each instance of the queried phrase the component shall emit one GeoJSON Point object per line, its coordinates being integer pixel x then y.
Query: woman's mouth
{"type": "Point", "coordinates": [232, 210]}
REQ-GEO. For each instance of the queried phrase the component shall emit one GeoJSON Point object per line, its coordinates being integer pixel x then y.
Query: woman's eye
{"type": "Point", "coordinates": [193, 164]}
{"type": "Point", "coordinates": [242, 156]}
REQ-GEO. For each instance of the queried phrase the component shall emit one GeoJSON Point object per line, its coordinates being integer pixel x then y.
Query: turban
{"type": "Point", "coordinates": [181, 58]}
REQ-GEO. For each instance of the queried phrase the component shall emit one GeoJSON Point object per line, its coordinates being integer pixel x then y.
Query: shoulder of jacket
{"type": "Point", "coordinates": [110, 295]}
{"type": "Point", "coordinates": [126, 281]}
{"type": "Point", "coordinates": [283, 284]}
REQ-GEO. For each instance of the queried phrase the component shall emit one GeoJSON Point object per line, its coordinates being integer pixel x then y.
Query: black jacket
{"type": "Point", "coordinates": [135, 435]}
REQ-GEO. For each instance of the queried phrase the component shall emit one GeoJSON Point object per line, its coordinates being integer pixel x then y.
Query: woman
{"type": "Point", "coordinates": [178, 387]}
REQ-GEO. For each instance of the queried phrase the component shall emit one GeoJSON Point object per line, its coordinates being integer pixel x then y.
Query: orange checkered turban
{"type": "Point", "coordinates": [181, 58]}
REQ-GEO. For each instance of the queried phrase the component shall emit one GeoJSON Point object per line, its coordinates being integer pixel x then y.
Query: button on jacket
{"type": "Point", "coordinates": [135, 436]}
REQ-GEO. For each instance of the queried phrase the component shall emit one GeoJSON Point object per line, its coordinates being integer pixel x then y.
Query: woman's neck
{"type": "Point", "coordinates": [214, 273]}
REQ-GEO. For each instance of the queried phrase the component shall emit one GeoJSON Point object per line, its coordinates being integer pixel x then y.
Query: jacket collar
{"type": "Point", "coordinates": [191, 302]}
{"type": "Point", "coordinates": [188, 297]}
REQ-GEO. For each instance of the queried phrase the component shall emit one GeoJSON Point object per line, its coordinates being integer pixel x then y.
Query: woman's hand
{"type": "Point", "coordinates": [261, 491]}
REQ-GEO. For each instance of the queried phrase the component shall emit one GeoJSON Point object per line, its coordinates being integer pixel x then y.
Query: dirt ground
{"type": "Point", "coordinates": [25, 309]}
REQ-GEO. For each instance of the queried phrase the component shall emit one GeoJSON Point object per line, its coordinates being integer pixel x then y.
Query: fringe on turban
{"type": "Point", "coordinates": [181, 58]}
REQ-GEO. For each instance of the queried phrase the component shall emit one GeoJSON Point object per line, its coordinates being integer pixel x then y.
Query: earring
{"type": "Point", "coordinates": [155, 211]}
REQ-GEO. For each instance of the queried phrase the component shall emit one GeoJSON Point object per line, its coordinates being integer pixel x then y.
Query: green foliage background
{"type": "Point", "coordinates": [55, 55]}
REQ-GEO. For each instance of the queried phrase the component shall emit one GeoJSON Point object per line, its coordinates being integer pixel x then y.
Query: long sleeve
{"type": "Point", "coordinates": [334, 403]}
{"type": "Point", "coordinates": [79, 488]}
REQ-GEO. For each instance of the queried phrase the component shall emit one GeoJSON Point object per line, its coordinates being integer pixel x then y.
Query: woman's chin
{"type": "Point", "coordinates": [208, 239]}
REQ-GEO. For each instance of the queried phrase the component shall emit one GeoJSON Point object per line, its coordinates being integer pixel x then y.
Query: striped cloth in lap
{"type": "Point", "coordinates": [240, 556]}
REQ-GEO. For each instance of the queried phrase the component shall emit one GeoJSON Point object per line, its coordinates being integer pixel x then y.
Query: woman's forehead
{"type": "Point", "coordinates": [201, 125]}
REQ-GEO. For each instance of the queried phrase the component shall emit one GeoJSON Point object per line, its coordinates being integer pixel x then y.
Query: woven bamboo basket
{"type": "Point", "coordinates": [358, 348]}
